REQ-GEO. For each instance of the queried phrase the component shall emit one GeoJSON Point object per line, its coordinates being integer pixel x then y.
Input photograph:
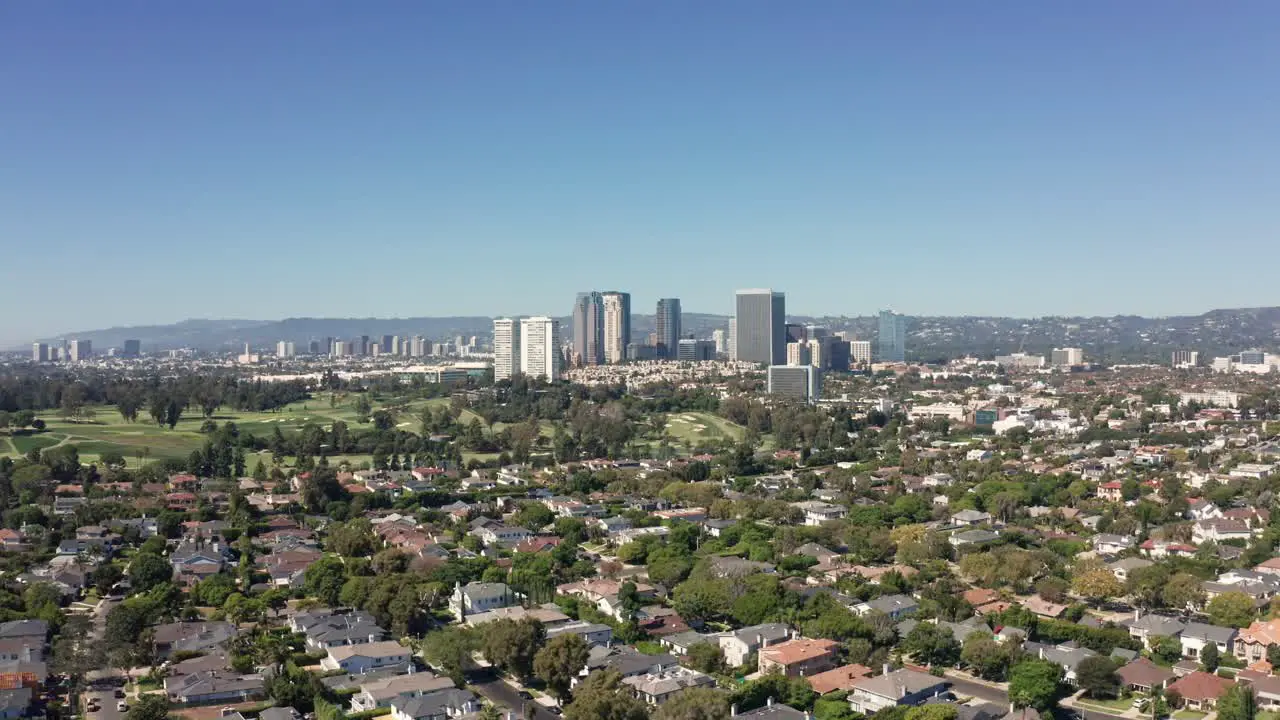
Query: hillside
{"type": "Point", "coordinates": [1122, 338]}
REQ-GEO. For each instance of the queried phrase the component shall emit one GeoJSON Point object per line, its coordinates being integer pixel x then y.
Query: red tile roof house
{"type": "Point", "coordinates": [1200, 690]}
{"type": "Point", "coordinates": [1111, 491]}
{"type": "Point", "coordinates": [838, 679]}
{"type": "Point", "coordinates": [180, 500]}
{"type": "Point", "coordinates": [799, 657]}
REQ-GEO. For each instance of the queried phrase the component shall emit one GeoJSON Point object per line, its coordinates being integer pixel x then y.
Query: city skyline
{"type": "Point", "coordinates": [947, 143]}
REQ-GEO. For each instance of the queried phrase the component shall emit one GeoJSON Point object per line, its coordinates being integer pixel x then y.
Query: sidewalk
{"type": "Point", "coordinates": [1074, 702]}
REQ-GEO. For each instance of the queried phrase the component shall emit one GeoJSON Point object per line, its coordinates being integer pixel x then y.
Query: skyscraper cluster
{"type": "Point", "coordinates": [601, 327]}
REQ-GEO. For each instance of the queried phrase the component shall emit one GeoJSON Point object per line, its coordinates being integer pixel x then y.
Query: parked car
{"type": "Point", "coordinates": [122, 706]}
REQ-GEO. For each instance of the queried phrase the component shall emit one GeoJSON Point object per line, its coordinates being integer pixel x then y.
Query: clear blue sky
{"type": "Point", "coordinates": [166, 160]}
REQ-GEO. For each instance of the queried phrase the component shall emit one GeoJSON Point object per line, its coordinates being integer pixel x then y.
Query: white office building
{"type": "Point", "coordinates": [506, 348]}
{"type": "Point", "coordinates": [1185, 359]}
{"type": "Point", "coordinates": [798, 353]}
{"type": "Point", "coordinates": [540, 347]}
{"type": "Point", "coordinates": [80, 350]}
{"type": "Point", "coordinates": [860, 352]}
{"type": "Point", "coordinates": [285, 349]}
{"type": "Point", "coordinates": [1020, 361]}
{"type": "Point", "coordinates": [1067, 357]}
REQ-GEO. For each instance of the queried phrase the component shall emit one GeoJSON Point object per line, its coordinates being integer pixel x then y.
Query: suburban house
{"type": "Point", "coordinates": [656, 688]}
{"type": "Point", "coordinates": [1112, 491]}
{"type": "Point", "coordinates": [736, 645]}
{"type": "Point", "coordinates": [329, 628]}
{"type": "Point", "coordinates": [1196, 636]}
{"type": "Point", "coordinates": [1200, 690]}
{"type": "Point", "coordinates": [477, 597]}
{"type": "Point", "coordinates": [1219, 529]}
{"type": "Point", "coordinates": [1122, 568]}
{"type": "Point", "coordinates": [1252, 642]}
{"type": "Point", "coordinates": [366, 656]}
{"type": "Point", "coordinates": [900, 687]}
{"type": "Point", "coordinates": [492, 532]}
{"type": "Point", "coordinates": [380, 693]}
{"type": "Point", "coordinates": [438, 705]}
{"type": "Point", "coordinates": [1066, 655]}
{"type": "Point", "coordinates": [896, 607]}
{"type": "Point", "coordinates": [1109, 544]}
{"type": "Point", "coordinates": [190, 637]}
{"type": "Point", "coordinates": [1143, 675]}
{"type": "Point", "coordinates": [838, 679]}
{"type": "Point", "coordinates": [799, 657]}
{"type": "Point", "coordinates": [1146, 627]}
{"type": "Point", "coordinates": [970, 517]}
{"type": "Point", "coordinates": [817, 512]}
{"type": "Point", "coordinates": [209, 687]}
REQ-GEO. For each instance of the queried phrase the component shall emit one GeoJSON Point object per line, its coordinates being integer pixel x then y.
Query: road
{"type": "Point", "coordinates": [107, 700]}
{"type": "Point", "coordinates": [1000, 697]}
{"type": "Point", "coordinates": [501, 694]}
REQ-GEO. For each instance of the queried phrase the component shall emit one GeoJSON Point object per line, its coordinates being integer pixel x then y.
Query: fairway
{"type": "Point", "coordinates": [699, 427]}
{"type": "Point", "coordinates": [107, 432]}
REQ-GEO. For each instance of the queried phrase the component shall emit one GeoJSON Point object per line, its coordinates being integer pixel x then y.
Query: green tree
{"type": "Point", "coordinates": [1210, 658]}
{"type": "Point", "coordinates": [1238, 703]}
{"type": "Point", "coordinates": [323, 580]}
{"type": "Point", "coordinates": [1098, 584]}
{"type": "Point", "coordinates": [1183, 592]}
{"type": "Point", "coordinates": [695, 704]}
{"type": "Point", "coordinates": [698, 599]}
{"type": "Point", "coordinates": [511, 645]}
{"type": "Point", "coordinates": [932, 712]}
{"type": "Point", "coordinates": [1034, 684]}
{"type": "Point", "coordinates": [1097, 676]}
{"type": "Point", "coordinates": [932, 645]}
{"type": "Point", "coordinates": [602, 696]}
{"type": "Point", "coordinates": [705, 657]}
{"type": "Point", "coordinates": [1231, 609]}
{"type": "Point", "coordinates": [149, 707]}
{"type": "Point", "coordinates": [1167, 650]}
{"type": "Point", "coordinates": [449, 650]}
{"type": "Point", "coordinates": [147, 571]}
{"type": "Point", "coordinates": [986, 657]}
{"type": "Point", "coordinates": [559, 662]}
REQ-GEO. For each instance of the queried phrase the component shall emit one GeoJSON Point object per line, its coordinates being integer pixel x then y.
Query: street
{"type": "Point", "coordinates": [1000, 697]}
{"type": "Point", "coordinates": [501, 694]}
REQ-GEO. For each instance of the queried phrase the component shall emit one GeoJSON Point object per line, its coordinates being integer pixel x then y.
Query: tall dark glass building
{"type": "Point", "coordinates": [667, 326]}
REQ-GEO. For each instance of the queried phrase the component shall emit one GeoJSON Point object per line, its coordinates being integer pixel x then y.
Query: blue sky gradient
{"type": "Point", "coordinates": [160, 161]}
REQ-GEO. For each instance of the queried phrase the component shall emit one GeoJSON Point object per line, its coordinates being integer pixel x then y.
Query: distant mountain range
{"type": "Point", "coordinates": [1123, 338]}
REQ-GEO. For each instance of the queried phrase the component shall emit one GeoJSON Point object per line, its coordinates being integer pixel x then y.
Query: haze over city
{"type": "Point", "coordinates": [408, 159]}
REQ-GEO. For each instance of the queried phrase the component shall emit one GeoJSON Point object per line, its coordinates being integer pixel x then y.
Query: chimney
{"type": "Point", "coordinates": [1041, 653]}
{"type": "Point", "coordinates": [761, 641]}
{"type": "Point", "coordinates": [770, 701]}
{"type": "Point", "coordinates": [884, 669]}
{"type": "Point", "coordinates": [1137, 613]}
{"type": "Point", "coordinates": [733, 710]}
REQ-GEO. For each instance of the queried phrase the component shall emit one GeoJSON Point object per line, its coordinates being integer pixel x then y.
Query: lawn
{"type": "Point", "coordinates": [23, 444]}
{"type": "Point", "coordinates": [1268, 715]}
{"type": "Point", "coordinates": [1115, 704]}
{"type": "Point", "coordinates": [1188, 715]}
